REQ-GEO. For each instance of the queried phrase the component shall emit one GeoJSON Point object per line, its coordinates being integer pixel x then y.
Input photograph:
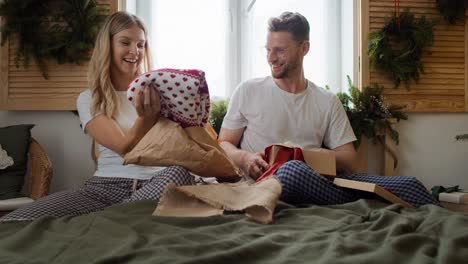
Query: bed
{"type": "Point", "coordinates": [365, 231]}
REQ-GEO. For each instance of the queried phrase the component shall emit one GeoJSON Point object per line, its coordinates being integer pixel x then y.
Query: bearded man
{"type": "Point", "coordinates": [286, 107]}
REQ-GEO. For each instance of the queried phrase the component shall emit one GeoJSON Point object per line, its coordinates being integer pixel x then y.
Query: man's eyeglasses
{"type": "Point", "coordinates": [280, 52]}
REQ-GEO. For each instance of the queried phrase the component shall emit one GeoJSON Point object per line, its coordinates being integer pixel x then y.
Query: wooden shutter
{"type": "Point", "coordinates": [443, 87]}
{"type": "Point", "coordinates": [25, 88]}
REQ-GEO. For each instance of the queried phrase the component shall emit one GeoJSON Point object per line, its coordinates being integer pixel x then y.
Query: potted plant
{"type": "Point", "coordinates": [368, 113]}
{"type": "Point", "coordinates": [217, 113]}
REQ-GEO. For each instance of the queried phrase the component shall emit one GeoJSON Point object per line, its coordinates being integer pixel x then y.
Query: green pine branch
{"type": "Point", "coordinates": [218, 110]}
{"type": "Point", "coordinates": [452, 10]}
{"type": "Point", "coordinates": [461, 137]}
{"type": "Point", "coordinates": [63, 31]}
{"type": "Point", "coordinates": [369, 114]}
{"type": "Point", "coordinates": [397, 50]}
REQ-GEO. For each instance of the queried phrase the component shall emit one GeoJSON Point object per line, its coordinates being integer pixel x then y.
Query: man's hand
{"type": "Point", "coordinates": [254, 164]}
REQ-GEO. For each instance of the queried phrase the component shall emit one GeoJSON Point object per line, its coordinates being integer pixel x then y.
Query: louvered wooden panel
{"type": "Point", "coordinates": [443, 85]}
{"type": "Point", "coordinates": [25, 88]}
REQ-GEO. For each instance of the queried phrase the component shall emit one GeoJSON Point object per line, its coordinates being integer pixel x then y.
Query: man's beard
{"type": "Point", "coordinates": [282, 74]}
{"type": "Point", "coordinates": [288, 68]}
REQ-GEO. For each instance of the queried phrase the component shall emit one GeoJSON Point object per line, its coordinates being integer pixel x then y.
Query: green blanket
{"type": "Point", "coordinates": [364, 231]}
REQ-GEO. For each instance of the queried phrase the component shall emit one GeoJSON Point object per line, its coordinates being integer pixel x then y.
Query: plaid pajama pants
{"type": "Point", "coordinates": [301, 184]}
{"type": "Point", "coordinates": [101, 192]}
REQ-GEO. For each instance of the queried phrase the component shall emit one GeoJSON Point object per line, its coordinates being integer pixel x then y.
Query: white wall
{"type": "Point", "coordinates": [347, 51]}
{"type": "Point", "coordinates": [427, 147]}
{"type": "Point", "coordinates": [68, 147]}
{"type": "Point", "coordinates": [429, 151]}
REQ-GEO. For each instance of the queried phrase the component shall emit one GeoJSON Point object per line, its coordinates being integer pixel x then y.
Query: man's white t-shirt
{"type": "Point", "coordinates": [110, 164]}
{"type": "Point", "coordinates": [271, 115]}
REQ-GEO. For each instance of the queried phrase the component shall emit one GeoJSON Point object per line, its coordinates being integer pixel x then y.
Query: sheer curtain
{"type": "Point", "coordinates": [225, 38]}
{"type": "Point", "coordinates": [187, 34]}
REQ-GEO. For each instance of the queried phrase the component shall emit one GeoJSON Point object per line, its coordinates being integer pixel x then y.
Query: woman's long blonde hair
{"type": "Point", "coordinates": [104, 96]}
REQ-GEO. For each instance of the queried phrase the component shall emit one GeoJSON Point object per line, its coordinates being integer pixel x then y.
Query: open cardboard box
{"type": "Point", "coordinates": [322, 160]}
{"type": "Point", "coordinates": [373, 188]}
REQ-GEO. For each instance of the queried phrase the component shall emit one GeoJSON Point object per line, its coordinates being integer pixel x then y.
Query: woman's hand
{"type": "Point", "coordinates": [108, 133]}
{"type": "Point", "coordinates": [147, 104]}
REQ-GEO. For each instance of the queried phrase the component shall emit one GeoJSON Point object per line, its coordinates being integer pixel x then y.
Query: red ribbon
{"type": "Point", "coordinates": [397, 10]}
{"type": "Point", "coordinates": [283, 155]}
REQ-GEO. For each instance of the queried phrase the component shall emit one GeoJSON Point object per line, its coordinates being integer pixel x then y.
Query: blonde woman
{"type": "Point", "coordinates": [121, 53]}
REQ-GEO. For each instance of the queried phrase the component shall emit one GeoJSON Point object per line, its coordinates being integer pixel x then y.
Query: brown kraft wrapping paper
{"type": "Point", "coordinates": [168, 144]}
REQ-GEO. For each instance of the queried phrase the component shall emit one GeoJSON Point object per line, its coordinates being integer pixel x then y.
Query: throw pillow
{"type": "Point", "coordinates": [184, 94]}
{"type": "Point", "coordinates": [5, 160]}
{"type": "Point", "coordinates": [15, 141]}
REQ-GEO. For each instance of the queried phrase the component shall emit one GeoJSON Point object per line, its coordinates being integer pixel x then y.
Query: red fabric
{"type": "Point", "coordinates": [397, 10]}
{"type": "Point", "coordinates": [284, 154]}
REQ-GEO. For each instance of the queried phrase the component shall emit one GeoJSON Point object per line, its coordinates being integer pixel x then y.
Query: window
{"type": "Point", "coordinates": [330, 57]}
{"type": "Point", "coordinates": [225, 38]}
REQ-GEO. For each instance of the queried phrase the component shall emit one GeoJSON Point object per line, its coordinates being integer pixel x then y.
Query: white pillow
{"type": "Point", "coordinates": [14, 203]}
{"type": "Point", "coordinates": [5, 160]}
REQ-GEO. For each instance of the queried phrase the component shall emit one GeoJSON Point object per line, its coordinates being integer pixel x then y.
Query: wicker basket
{"type": "Point", "coordinates": [40, 171]}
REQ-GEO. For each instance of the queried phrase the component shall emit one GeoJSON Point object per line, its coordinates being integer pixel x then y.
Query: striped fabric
{"type": "Point", "coordinates": [101, 192]}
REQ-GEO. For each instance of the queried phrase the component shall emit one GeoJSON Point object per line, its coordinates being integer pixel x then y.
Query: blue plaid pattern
{"type": "Point", "coordinates": [99, 193]}
{"type": "Point", "coordinates": [153, 189]}
{"type": "Point", "coordinates": [301, 184]}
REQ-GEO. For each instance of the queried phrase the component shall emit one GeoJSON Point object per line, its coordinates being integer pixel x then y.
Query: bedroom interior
{"type": "Point", "coordinates": [361, 231]}
{"type": "Point", "coordinates": [415, 154]}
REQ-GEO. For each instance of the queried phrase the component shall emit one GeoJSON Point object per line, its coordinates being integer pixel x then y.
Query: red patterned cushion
{"type": "Point", "coordinates": [184, 94]}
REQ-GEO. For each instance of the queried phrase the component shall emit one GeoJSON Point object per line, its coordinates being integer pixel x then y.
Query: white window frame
{"type": "Point", "coordinates": [236, 42]}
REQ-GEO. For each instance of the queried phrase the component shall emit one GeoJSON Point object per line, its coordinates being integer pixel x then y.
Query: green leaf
{"type": "Point", "coordinates": [217, 112]}
{"type": "Point", "coordinates": [368, 112]}
{"type": "Point", "coordinates": [65, 34]}
{"type": "Point", "coordinates": [406, 64]}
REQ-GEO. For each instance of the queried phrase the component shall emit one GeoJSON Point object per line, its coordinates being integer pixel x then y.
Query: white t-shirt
{"type": "Point", "coordinates": [110, 164]}
{"type": "Point", "coordinates": [271, 115]}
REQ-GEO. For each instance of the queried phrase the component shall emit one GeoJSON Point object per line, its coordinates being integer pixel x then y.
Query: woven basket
{"type": "Point", "coordinates": [40, 171]}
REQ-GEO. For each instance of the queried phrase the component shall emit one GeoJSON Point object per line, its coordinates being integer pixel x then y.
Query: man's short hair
{"type": "Point", "coordinates": [294, 23]}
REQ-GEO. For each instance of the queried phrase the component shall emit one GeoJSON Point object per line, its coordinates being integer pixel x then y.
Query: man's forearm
{"type": "Point", "coordinates": [344, 161]}
{"type": "Point", "coordinates": [235, 154]}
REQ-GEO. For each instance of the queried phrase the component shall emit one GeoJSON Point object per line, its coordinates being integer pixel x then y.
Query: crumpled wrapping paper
{"type": "Point", "coordinates": [257, 200]}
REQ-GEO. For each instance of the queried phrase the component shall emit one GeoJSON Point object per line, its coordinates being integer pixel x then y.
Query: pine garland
{"type": "Point", "coordinates": [64, 31]}
{"type": "Point", "coordinates": [452, 10]}
{"type": "Point", "coordinates": [369, 114]}
{"type": "Point", "coordinates": [461, 137]}
{"type": "Point", "coordinates": [404, 64]}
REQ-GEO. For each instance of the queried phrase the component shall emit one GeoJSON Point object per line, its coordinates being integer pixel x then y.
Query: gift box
{"type": "Point", "coordinates": [321, 160]}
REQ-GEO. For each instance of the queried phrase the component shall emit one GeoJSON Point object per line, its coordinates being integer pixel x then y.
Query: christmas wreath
{"type": "Point", "coordinates": [398, 47]}
{"type": "Point", "coordinates": [64, 31]}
